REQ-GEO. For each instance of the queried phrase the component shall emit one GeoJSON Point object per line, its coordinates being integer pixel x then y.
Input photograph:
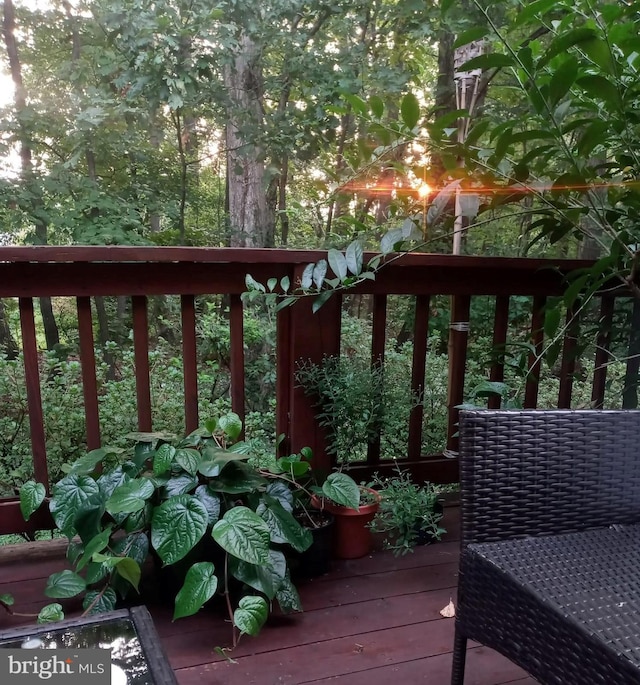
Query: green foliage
{"type": "Point", "coordinates": [348, 396]}
{"type": "Point", "coordinates": [407, 511]}
{"type": "Point", "coordinates": [124, 512]}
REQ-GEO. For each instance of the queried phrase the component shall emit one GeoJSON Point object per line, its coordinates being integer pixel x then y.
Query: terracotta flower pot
{"type": "Point", "coordinates": [352, 538]}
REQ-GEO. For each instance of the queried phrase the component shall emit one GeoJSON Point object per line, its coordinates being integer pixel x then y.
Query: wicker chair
{"type": "Point", "coordinates": [550, 562]}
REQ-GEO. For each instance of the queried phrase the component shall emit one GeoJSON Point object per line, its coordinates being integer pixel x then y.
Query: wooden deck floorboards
{"type": "Point", "coordinates": [368, 622]}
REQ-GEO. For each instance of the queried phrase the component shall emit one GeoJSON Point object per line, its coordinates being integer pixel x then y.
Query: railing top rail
{"type": "Point", "coordinates": [86, 254]}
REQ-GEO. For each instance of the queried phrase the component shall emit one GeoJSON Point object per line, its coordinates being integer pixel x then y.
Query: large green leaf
{"type": "Point", "coordinates": [281, 492]}
{"type": "Point", "coordinates": [51, 613]}
{"type": "Point", "coordinates": [354, 256]}
{"type": "Point", "coordinates": [188, 459]}
{"type": "Point", "coordinates": [130, 496]}
{"type": "Point", "coordinates": [266, 578]}
{"type": "Point", "coordinates": [99, 601]}
{"type": "Point", "coordinates": [177, 525]}
{"type": "Point", "coordinates": [199, 587]}
{"type": "Point", "coordinates": [284, 527]}
{"type": "Point", "coordinates": [251, 614]}
{"type": "Point", "coordinates": [180, 485]}
{"type": "Point", "coordinates": [95, 572]}
{"type": "Point", "coordinates": [338, 263]}
{"type": "Point", "coordinates": [244, 534]}
{"type": "Point", "coordinates": [214, 460]}
{"type": "Point", "coordinates": [139, 520]}
{"type": "Point", "coordinates": [163, 459]}
{"type": "Point", "coordinates": [130, 570]}
{"type": "Point", "coordinates": [135, 546]}
{"type": "Point", "coordinates": [288, 597]}
{"type": "Point", "coordinates": [88, 521]}
{"type": "Point", "coordinates": [64, 584]}
{"type": "Point", "coordinates": [342, 489]}
{"type": "Point", "coordinates": [231, 425]}
{"type": "Point", "coordinates": [87, 463]}
{"type": "Point", "coordinates": [211, 502]}
{"type": "Point", "coordinates": [96, 544]}
{"type": "Point", "coordinates": [69, 495]}
{"type": "Point", "coordinates": [110, 480]}
{"type": "Point", "coordinates": [238, 479]}
{"type": "Point", "coordinates": [32, 495]}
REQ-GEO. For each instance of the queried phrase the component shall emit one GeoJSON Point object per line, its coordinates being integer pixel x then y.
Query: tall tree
{"type": "Point", "coordinates": [38, 217]}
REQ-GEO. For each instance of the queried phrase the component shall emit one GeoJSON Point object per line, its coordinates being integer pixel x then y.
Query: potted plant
{"type": "Point", "coordinates": [409, 514]}
{"type": "Point", "coordinates": [353, 507]}
{"type": "Point", "coordinates": [166, 498]}
{"type": "Point", "coordinates": [349, 403]}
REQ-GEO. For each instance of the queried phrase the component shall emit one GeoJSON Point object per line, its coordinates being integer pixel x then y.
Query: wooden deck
{"type": "Point", "coordinates": [367, 622]}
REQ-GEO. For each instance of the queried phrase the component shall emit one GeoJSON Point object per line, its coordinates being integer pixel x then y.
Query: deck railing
{"type": "Point", "coordinates": [85, 272]}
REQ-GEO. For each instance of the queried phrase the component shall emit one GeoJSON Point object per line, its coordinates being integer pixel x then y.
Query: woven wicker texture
{"type": "Point", "coordinates": [566, 607]}
{"type": "Point", "coordinates": [544, 472]}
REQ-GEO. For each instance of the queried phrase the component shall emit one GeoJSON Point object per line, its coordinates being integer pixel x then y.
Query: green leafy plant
{"type": "Point", "coordinates": [167, 499]}
{"type": "Point", "coordinates": [194, 504]}
{"type": "Point", "coordinates": [348, 399]}
{"type": "Point", "coordinates": [407, 512]}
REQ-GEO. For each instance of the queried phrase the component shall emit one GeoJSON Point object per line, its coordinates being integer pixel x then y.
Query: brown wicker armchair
{"type": "Point", "coordinates": [550, 563]}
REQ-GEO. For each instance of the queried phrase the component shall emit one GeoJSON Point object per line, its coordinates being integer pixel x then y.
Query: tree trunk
{"type": "Point", "coordinates": [251, 224]}
{"type": "Point", "coordinates": [8, 344]}
{"type": "Point", "coordinates": [52, 335]}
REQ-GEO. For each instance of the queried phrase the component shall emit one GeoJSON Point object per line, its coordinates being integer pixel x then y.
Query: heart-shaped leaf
{"type": "Point", "coordinates": [130, 496]}
{"type": "Point", "coordinates": [69, 495]}
{"type": "Point", "coordinates": [31, 497]}
{"type": "Point", "coordinates": [163, 458]}
{"type": "Point", "coordinates": [211, 502]}
{"type": "Point", "coordinates": [284, 527]}
{"type": "Point", "coordinates": [180, 485]}
{"type": "Point", "coordinates": [251, 614]}
{"type": "Point", "coordinates": [231, 425]}
{"type": "Point", "coordinates": [87, 463]}
{"type": "Point", "coordinates": [51, 613]}
{"type": "Point", "coordinates": [99, 602]}
{"type": "Point", "coordinates": [288, 597]}
{"type": "Point", "coordinates": [244, 534]}
{"type": "Point", "coordinates": [280, 491]}
{"type": "Point", "coordinates": [266, 578]}
{"type": "Point", "coordinates": [129, 569]}
{"type": "Point", "coordinates": [199, 587]}
{"type": "Point", "coordinates": [64, 584]}
{"type": "Point", "coordinates": [110, 480]}
{"type": "Point", "coordinates": [188, 460]}
{"type": "Point", "coordinates": [135, 546]}
{"type": "Point", "coordinates": [177, 525]}
{"type": "Point", "coordinates": [342, 489]}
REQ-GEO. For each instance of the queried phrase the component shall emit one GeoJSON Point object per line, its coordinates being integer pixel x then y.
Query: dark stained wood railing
{"type": "Point", "coordinates": [86, 272]}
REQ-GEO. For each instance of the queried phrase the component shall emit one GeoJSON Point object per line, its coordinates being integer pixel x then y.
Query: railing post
{"type": "Point", "coordinates": [458, 337]}
{"type": "Point", "coordinates": [311, 337]}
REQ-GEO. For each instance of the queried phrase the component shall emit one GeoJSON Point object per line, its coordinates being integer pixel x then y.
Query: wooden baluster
{"type": "Point", "coordinates": [500, 327]}
{"type": "Point", "coordinates": [34, 397]}
{"type": "Point", "coordinates": [237, 357]}
{"type": "Point", "coordinates": [420, 341]}
{"type": "Point", "coordinates": [189, 362]}
{"type": "Point", "coordinates": [568, 365]}
{"type": "Point", "coordinates": [458, 338]}
{"type": "Point", "coordinates": [141, 356]}
{"type": "Point", "coordinates": [88, 364]}
{"type": "Point", "coordinates": [535, 358]}
{"type": "Point", "coordinates": [378, 339]}
{"type": "Point", "coordinates": [603, 343]}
